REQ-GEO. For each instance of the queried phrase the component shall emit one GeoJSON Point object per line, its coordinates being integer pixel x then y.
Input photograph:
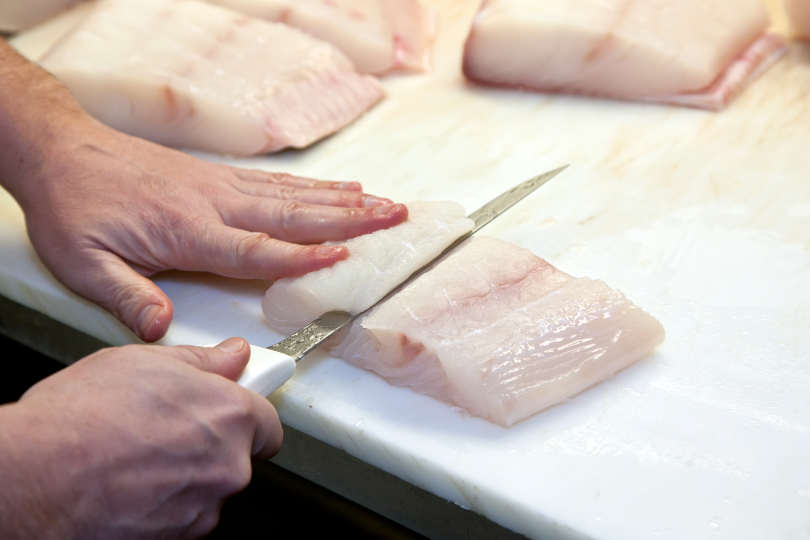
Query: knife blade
{"type": "Point", "coordinates": [269, 367]}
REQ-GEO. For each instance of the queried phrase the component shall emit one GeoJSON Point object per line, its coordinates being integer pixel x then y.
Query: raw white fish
{"type": "Point", "coordinates": [379, 36]}
{"type": "Point", "coordinates": [655, 50]}
{"type": "Point", "coordinates": [21, 14]}
{"type": "Point", "coordinates": [195, 75]}
{"type": "Point", "coordinates": [377, 263]}
{"type": "Point", "coordinates": [498, 331]}
{"type": "Point", "coordinates": [799, 13]}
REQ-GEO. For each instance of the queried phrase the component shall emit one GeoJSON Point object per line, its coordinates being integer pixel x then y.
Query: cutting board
{"type": "Point", "coordinates": [701, 218]}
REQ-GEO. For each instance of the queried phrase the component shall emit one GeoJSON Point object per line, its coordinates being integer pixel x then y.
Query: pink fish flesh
{"type": "Point", "coordinates": [684, 52]}
{"type": "Point", "coordinates": [379, 36]}
{"type": "Point", "coordinates": [194, 75]}
{"type": "Point", "coordinates": [498, 331]}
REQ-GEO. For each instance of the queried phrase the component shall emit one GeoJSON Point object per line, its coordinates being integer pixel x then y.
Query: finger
{"type": "Point", "coordinates": [295, 221]}
{"type": "Point", "coordinates": [330, 197]}
{"type": "Point", "coordinates": [228, 359]}
{"type": "Point", "coordinates": [105, 279]}
{"type": "Point", "coordinates": [254, 175]}
{"type": "Point", "coordinates": [269, 434]}
{"type": "Point", "coordinates": [248, 255]}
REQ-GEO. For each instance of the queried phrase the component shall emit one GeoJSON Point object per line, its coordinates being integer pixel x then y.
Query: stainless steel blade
{"type": "Point", "coordinates": [300, 343]}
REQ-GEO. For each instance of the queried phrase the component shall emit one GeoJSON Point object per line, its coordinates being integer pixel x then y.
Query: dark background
{"type": "Point", "coordinates": [276, 503]}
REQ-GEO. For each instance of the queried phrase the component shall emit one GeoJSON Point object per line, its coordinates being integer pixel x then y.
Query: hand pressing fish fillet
{"type": "Point", "coordinates": [20, 14]}
{"type": "Point", "coordinates": [685, 52]}
{"type": "Point", "coordinates": [379, 36]}
{"type": "Point", "coordinates": [492, 328]}
{"type": "Point", "coordinates": [378, 262]}
{"type": "Point", "coordinates": [193, 75]}
{"type": "Point", "coordinates": [799, 13]}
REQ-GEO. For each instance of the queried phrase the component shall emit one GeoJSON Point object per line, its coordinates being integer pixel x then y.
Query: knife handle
{"type": "Point", "coordinates": [266, 370]}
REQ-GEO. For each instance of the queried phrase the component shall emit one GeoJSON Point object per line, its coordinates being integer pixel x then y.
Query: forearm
{"type": "Point", "coordinates": [24, 483]}
{"type": "Point", "coordinates": [35, 108]}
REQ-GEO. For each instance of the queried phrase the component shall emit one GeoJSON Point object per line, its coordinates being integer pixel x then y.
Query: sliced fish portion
{"type": "Point", "coordinates": [194, 75]}
{"type": "Point", "coordinates": [656, 50]}
{"type": "Point", "coordinates": [500, 332]}
{"type": "Point", "coordinates": [377, 263]}
{"type": "Point", "coordinates": [379, 36]}
{"type": "Point", "coordinates": [799, 13]}
{"type": "Point", "coordinates": [21, 14]}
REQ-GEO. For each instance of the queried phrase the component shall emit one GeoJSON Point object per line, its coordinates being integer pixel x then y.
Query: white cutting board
{"type": "Point", "coordinates": [701, 218]}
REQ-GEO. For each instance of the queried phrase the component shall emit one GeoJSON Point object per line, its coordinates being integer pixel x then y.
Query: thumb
{"type": "Point", "coordinates": [135, 300]}
{"type": "Point", "coordinates": [228, 359]}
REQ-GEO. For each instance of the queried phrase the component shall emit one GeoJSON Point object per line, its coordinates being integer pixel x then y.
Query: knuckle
{"type": "Point", "coordinates": [287, 192]}
{"type": "Point", "coordinates": [289, 214]}
{"type": "Point", "coordinates": [279, 177]}
{"type": "Point", "coordinates": [249, 244]}
{"type": "Point", "coordinates": [242, 472]}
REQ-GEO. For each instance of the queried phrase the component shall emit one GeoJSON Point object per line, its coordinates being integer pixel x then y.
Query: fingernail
{"type": "Point", "coordinates": [232, 345]}
{"type": "Point", "coordinates": [386, 210]}
{"type": "Point", "coordinates": [351, 186]}
{"type": "Point", "coordinates": [147, 318]}
{"type": "Point", "coordinates": [329, 251]}
{"type": "Point", "coordinates": [371, 200]}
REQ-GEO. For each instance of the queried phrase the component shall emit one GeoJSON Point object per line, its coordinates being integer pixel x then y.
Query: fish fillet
{"type": "Point", "coordinates": [685, 52]}
{"type": "Point", "coordinates": [376, 264]}
{"type": "Point", "coordinates": [498, 331]}
{"type": "Point", "coordinates": [379, 36]}
{"type": "Point", "coordinates": [193, 75]}
{"type": "Point", "coordinates": [799, 13]}
{"type": "Point", "coordinates": [20, 14]}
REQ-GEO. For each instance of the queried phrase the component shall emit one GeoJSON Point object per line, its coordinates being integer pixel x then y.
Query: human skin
{"type": "Point", "coordinates": [141, 441]}
{"type": "Point", "coordinates": [145, 441]}
{"type": "Point", "coordinates": [105, 211]}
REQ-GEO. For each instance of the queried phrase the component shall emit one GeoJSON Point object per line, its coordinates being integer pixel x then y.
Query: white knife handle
{"type": "Point", "coordinates": [266, 370]}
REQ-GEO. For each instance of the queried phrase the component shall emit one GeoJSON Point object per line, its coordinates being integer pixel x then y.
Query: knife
{"type": "Point", "coordinates": [270, 367]}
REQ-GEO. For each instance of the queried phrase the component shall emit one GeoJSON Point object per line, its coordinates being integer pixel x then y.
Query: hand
{"type": "Point", "coordinates": [105, 210]}
{"type": "Point", "coordinates": [132, 442]}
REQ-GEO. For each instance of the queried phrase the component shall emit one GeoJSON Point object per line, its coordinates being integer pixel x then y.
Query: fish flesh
{"type": "Point", "coordinates": [684, 52]}
{"type": "Point", "coordinates": [21, 14]}
{"type": "Point", "coordinates": [492, 328]}
{"type": "Point", "coordinates": [377, 263]}
{"type": "Point", "coordinates": [499, 332]}
{"type": "Point", "coordinates": [379, 36]}
{"type": "Point", "coordinates": [799, 14]}
{"type": "Point", "coordinates": [194, 75]}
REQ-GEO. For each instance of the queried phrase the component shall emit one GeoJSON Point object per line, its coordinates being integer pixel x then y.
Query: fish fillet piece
{"type": "Point", "coordinates": [377, 263]}
{"type": "Point", "coordinates": [379, 36]}
{"type": "Point", "coordinates": [500, 332]}
{"type": "Point", "coordinates": [655, 50]}
{"type": "Point", "coordinates": [20, 14]}
{"type": "Point", "coordinates": [799, 13]}
{"type": "Point", "coordinates": [194, 75]}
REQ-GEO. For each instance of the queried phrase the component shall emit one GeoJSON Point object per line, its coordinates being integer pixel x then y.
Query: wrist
{"type": "Point", "coordinates": [35, 110]}
{"type": "Point", "coordinates": [33, 144]}
{"type": "Point", "coordinates": [29, 489]}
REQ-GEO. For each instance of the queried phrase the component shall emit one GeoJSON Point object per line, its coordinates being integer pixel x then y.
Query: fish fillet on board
{"type": "Point", "coordinates": [684, 52]}
{"type": "Point", "coordinates": [199, 76]}
{"type": "Point", "coordinates": [799, 13]}
{"type": "Point", "coordinates": [500, 332]}
{"type": "Point", "coordinates": [493, 328]}
{"type": "Point", "coordinates": [379, 36]}
{"type": "Point", "coordinates": [20, 14]}
{"type": "Point", "coordinates": [377, 263]}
